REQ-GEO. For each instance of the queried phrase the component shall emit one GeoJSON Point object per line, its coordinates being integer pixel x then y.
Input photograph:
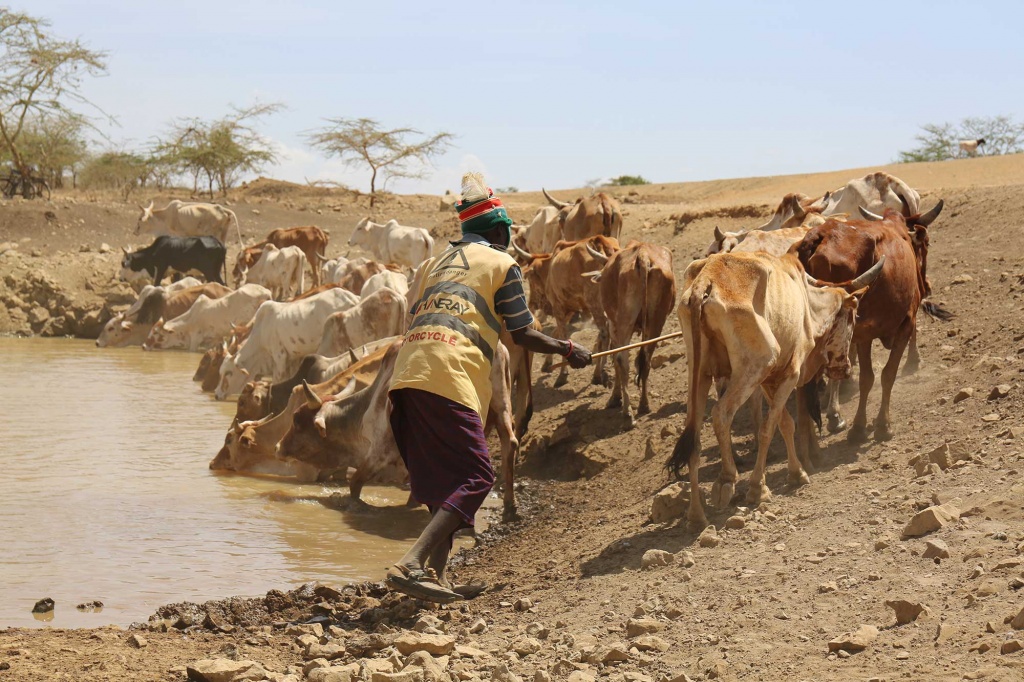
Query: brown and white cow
{"type": "Point", "coordinates": [757, 321]}
{"type": "Point", "coordinates": [358, 274]}
{"type": "Point", "coordinates": [279, 270]}
{"type": "Point", "coordinates": [117, 334]}
{"type": "Point", "coordinates": [638, 291]}
{"type": "Point", "coordinates": [310, 239]}
{"type": "Point", "coordinates": [208, 321]}
{"type": "Point", "coordinates": [836, 251]}
{"type": "Point", "coordinates": [590, 216]}
{"type": "Point", "coordinates": [558, 288]}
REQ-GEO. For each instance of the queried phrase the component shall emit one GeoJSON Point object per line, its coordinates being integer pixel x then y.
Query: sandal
{"type": "Point", "coordinates": [421, 584]}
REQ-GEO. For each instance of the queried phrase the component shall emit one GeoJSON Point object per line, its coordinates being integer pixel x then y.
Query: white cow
{"type": "Point", "coordinates": [208, 321]}
{"type": "Point", "coordinates": [180, 219]}
{"type": "Point", "coordinates": [329, 269]}
{"type": "Point", "coordinates": [379, 315]}
{"type": "Point", "coordinates": [282, 333]}
{"type": "Point", "coordinates": [280, 270]}
{"type": "Point", "coordinates": [119, 331]}
{"type": "Point", "coordinates": [543, 232]}
{"type": "Point", "coordinates": [390, 279]}
{"type": "Point", "coordinates": [970, 147]}
{"type": "Point", "coordinates": [393, 243]}
{"type": "Point", "coordinates": [875, 192]}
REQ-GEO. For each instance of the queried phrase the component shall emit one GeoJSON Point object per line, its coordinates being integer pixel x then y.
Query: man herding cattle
{"type": "Point", "coordinates": [441, 384]}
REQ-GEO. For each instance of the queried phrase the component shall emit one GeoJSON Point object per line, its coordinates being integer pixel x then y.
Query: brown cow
{"type": "Point", "coordinates": [638, 291]}
{"type": "Point", "coordinates": [558, 288]}
{"type": "Point", "coordinates": [310, 239]}
{"type": "Point", "coordinates": [837, 251]}
{"type": "Point", "coordinates": [357, 275]}
{"type": "Point", "coordinates": [595, 215]}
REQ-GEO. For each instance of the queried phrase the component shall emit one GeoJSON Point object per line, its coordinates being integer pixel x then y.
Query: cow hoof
{"type": "Point", "coordinates": [562, 380]}
{"type": "Point", "coordinates": [911, 368]}
{"type": "Point", "coordinates": [857, 435]}
{"type": "Point", "coordinates": [697, 524]}
{"type": "Point", "coordinates": [722, 493]}
{"type": "Point", "coordinates": [643, 408]}
{"type": "Point", "coordinates": [510, 515]}
{"type": "Point", "coordinates": [758, 494]}
{"type": "Point", "coordinates": [630, 422]}
{"type": "Point", "coordinates": [883, 432]}
{"type": "Point", "coordinates": [836, 423]}
{"type": "Point", "coordinates": [799, 478]}
{"type": "Point", "coordinates": [613, 402]}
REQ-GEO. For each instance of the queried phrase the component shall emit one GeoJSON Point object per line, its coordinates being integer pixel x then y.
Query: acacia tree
{"type": "Point", "coordinates": [390, 154]}
{"type": "Point", "coordinates": [938, 142]}
{"type": "Point", "coordinates": [39, 76]}
{"type": "Point", "coordinates": [55, 145]}
{"type": "Point", "coordinates": [221, 150]}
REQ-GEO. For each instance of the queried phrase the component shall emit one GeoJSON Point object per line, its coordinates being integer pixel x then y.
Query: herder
{"type": "Point", "coordinates": [441, 385]}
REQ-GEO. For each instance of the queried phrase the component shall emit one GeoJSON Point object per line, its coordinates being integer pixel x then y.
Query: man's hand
{"type": "Point", "coordinates": [579, 357]}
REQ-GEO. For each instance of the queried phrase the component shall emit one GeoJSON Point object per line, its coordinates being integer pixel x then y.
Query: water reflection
{"type": "Point", "coordinates": [108, 496]}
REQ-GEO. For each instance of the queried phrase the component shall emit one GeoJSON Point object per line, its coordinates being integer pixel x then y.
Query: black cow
{"type": "Point", "coordinates": [205, 254]}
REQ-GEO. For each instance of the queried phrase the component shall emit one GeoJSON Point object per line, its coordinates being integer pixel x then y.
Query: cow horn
{"type": "Point", "coordinates": [719, 235]}
{"type": "Point", "coordinates": [868, 277]}
{"type": "Point", "coordinates": [352, 355]}
{"type": "Point", "coordinates": [524, 254]}
{"type": "Point", "coordinates": [321, 425]}
{"type": "Point", "coordinates": [598, 256]}
{"type": "Point", "coordinates": [553, 201]}
{"type": "Point", "coordinates": [868, 215]}
{"type": "Point", "coordinates": [905, 205]}
{"type": "Point", "coordinates": [313, 401]}
{"type": "Point", "coordinates": [931, 215]}
{"type": "Point", "coordinates": [322, 257]}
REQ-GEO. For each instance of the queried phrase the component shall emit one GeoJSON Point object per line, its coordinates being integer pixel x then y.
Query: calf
{"type": "Point", "coordinates": [311, 240]}
{"type": "Point", "coordinates": [184, 254]}
{"type": "Point", "coordinates": [755, 320]}
{"type": "Point", "coordinates": [638, 291]}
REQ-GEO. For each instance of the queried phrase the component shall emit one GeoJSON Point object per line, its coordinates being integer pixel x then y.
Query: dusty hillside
{"type": "Point", "coordinates": [782, 581]}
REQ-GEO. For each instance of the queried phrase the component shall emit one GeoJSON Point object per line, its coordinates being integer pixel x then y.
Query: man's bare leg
{"type": "Point", "coordinates": [436, 536]}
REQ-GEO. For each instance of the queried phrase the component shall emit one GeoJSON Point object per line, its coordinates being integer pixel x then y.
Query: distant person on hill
{"type": "Point", "coordinates": [442, 386]}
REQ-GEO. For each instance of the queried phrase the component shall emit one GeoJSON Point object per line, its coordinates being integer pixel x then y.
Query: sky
{"type": "Point", "coordinates": [555, 94]}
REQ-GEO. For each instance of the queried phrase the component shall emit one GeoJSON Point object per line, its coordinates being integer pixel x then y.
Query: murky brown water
{"type": "Point", "coordinates": [106, 494]}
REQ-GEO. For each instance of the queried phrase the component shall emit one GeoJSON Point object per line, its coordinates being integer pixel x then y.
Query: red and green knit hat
{"type": "Point", "coordinates": [479, 210]}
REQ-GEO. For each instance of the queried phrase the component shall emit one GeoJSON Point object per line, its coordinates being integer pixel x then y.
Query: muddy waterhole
{"type": "Point", "coordinates": [107, 495]}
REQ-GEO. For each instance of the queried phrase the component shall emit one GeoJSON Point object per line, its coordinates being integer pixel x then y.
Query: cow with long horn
{"type": "Point", "coordinates": [597, 215]}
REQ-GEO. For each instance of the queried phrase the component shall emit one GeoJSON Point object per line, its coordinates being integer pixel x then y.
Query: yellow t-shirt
{"type": "Point", "coordinates": [453, 336]}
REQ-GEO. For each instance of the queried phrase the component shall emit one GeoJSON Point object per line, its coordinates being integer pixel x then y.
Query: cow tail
{"type": "Point", "coordinates": [643, 354]}
{"type": "Point", "coordinates": [687, 442]}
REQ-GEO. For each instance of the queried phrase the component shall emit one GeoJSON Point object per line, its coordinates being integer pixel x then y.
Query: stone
{"type": "Point", "coordinates": [903, 655]}
{"type": "Point", "coordinates": [470, 652]}
{"type": "Point", "coordinates": [526, 646]}
{"type": "Point", "coordinates": [523, 604]}
{"type": "Point", "coordinates": [942, 633]}
{"type": "Point", "coordinates": [315, 664]}
{"type": "Point", "coordinates": [855, 641]}
{"type": "Point", "coordinates": [224, 670]}
{"type": "Point", "coordinates": [138, 641]}
{"type": "Point", "coordinates": [330, 651]}
{"type": "Point", "coordinates": [931, 519]}
{"type": "Point", "coordinates": [669, 503]}
{"type": "Point", "coordinates": [735, 522]}
{"type": "Point", "coordinates": [1017, 622]}
{"type": "Point", "coordinates": [44, 605]}
{"type": "Point", "coordinates": [580, 676]}
{"type": "Point", "coordinates": [501, 673]}
{"type": "Point", "coordinates": [656, 558]}
{"type": "Point", "coordinates": [333, 674]}
{"type": "Point", "coordinates": [642, 626]}
{"type": "Point", "coordinates": [542, 676]}
{"type": "Point", "coordinates": [298, 629]}
{"type": "Point", "coordinates": [435, 645]}
{"type": "Point", "coordinates": [1011, 646]}
{"type": "Point", "coordinates": [963, 278]}
{"type": "Point", "coordinates": [991, 417]}
{"type": "Point", "coordinates": [935, 549]}
{"type": "Point", "coordinates": [433, 669]}
{"type": "Point", "coordinates": [709, 537]}
{"type": "Point", "coordinates": [685, 558]}
{"type": "Point", "coordinates": [538, 630]}
{"type": "Point", "coordinates": [828, 587]}
{"type": "Point", "coordinates": [426, 622]}
{"type": "Point", "coordinates": [962, 395]}
{"type": "Point", "coordinates": [38, 316]}
{"type": "Point", "coordinates": [907, 611]}
{"type": "Point", "coordinates": [616, 652]}
{"type": "Point", "coordinates": [410, 674]}
{"type": "Point", "coordinates": [479, 626]}
{"type": "Point", "coordinates": [1000, 391]}
{"type": "Point", "coordinates": [651, 643]}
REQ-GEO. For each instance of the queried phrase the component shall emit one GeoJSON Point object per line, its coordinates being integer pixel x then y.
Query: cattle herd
{"type": "Point", "coordinates": [775, 311]}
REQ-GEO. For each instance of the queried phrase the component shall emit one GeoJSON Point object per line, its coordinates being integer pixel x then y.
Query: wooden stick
{"type": "Point", "coordinates": [631, 346]}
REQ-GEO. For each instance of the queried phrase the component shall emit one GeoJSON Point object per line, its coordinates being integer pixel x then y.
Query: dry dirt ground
{"type": "Point", "coordinates": [571, 598]}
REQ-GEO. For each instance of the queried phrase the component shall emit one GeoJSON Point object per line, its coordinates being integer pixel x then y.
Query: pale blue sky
{"type": "Point", "coordinates": [557, 93]}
